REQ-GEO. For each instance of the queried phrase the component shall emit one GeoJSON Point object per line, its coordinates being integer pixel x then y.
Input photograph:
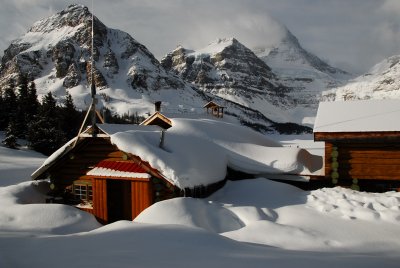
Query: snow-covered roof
{"type": "Point", "coordinates": [358, 116]}
{"type": "Point", "coordinates": [198, 151]}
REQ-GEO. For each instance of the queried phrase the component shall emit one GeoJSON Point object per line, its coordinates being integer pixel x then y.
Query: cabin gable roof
{"type": "Point", "coordinates": [158, 119]}
{"type": "Point", "coordinates": [74, 146]}
{"type": "Point", "coordinates": [211, 104]}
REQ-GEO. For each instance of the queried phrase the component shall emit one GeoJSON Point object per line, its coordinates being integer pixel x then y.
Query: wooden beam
{"type": "Point", "coordinates": [357, 136]}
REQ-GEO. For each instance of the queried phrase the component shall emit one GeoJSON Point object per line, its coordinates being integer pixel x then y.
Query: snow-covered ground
{"type": "Point", "coordinates": [249, 223]}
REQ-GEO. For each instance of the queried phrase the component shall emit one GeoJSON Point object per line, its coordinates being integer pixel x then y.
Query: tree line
{"type": "Point", "coordinates": [45, 125]}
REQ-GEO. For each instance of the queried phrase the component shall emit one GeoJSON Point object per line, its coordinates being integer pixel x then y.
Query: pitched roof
{"type": "Point", "coordinates": [106, 130]}
{"type": "Point", "coordinates": [211, 104]}
{"type": "Point", "coordinates": [158, 119]}
{"type": "Point", "coordinates": [358, 116]}
{"type": "Point", "coordinates": [118, 169]}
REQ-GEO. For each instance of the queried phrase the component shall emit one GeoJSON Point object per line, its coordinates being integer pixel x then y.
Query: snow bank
{"type": "Point", "coordinates": [208, 216]}
{"type": "Point", "coordinates": [17, 165]}
{"type": "Point", "coordinates": [349, 204]}
{"type": "Point", "coordinates": [126, 244]}
{"type": "Point", "coordinates": [22, 209]}
{"type": "Point", "coordinates": [270, 213]}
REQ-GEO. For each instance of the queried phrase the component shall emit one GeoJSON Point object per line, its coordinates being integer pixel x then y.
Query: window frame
{"type": "Point", "coordinates": [83, 191]}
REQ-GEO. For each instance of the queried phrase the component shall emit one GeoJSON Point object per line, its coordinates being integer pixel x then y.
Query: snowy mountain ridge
{"type": "Point", "coordinates": [285, 75]}
{"type": "Point", "coordinates": [228, 69]}
{"type": "Point", "coordinates": [56, 53]}
{"type": "Point", "coordinates": [381, 82]}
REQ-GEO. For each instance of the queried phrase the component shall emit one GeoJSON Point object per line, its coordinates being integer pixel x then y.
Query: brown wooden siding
{"type": "Point", "coordinates": [353, 136]}
{"type": "Point", "coordinates": [85, 155]}
{"type": "Point", "coordinates": [369, 161]}
{"type": "Point", "coordinates": [100, 200]}
{"type": "Point", "coordinates": [142, 196]}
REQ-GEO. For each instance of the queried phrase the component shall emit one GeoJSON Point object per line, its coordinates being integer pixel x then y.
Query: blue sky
{"type": "Point", "coordinates": [350, 34]}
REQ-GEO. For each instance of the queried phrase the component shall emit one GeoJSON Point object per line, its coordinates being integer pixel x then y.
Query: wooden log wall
{"type": "Point", "coordinates": [78, 162]}
{"type": "Point", "coordinates": [328, 159]}
{"type": "Point", "coordinates": [369, 161]}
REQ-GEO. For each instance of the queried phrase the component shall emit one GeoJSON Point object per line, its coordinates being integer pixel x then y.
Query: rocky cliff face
{"type": "Point", "coordinates": [59, 48]}
{"type": "Point", "coordinates": [230, 70]}
{"type": "Point", "coordinates": [224, 63]}
{"type": "Point", "coordinates": [284, 76]}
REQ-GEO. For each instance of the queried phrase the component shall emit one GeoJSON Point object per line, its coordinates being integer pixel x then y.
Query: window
{"type": "Point", "coordinates": [83, 191]}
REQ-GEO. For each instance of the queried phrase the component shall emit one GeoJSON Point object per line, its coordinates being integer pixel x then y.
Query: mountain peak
{"type": "Point", "coordinates": [56, 53]}
{"type": "Point", "coordinates": [227, 41]}
{"type": "Point", "coordinates": [71, 16]}
{"type": "Point", "coordinates": [220, 44]}
{"type": "Point", "coordinates": [288, 53]}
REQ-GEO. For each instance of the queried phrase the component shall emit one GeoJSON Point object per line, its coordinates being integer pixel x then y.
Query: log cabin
{"type": "Point", "coordinates": [215, 109]}
{"type": "Point", "coordinates": [94, 174]}
{"type": "Point", "coordinates": [117, 171]}
{"type": "Point", "coordinates": [362, 143]}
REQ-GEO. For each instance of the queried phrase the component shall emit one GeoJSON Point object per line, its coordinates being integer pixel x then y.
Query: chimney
{"type": "Point", "coordinates": [157, 105]}
{"type": "Point", "coordinates": [162, 139]}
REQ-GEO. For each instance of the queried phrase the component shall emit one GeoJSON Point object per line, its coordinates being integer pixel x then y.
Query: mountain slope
{"type": "Point", "coordinates": [228, 69]}
{"type": "Point", "coordinates": [381, 82]}
{"type": "Point", "coordinates": [284, 82]}
{"type": "Point", "coordinates": [56, 53]}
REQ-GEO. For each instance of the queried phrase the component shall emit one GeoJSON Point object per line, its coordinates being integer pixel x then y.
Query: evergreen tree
{"type": "Point", "coordinates": [45, 134]}
{"type": "Point", "coordinates": [49, 107]}
{"type": "Point", "coordinates": [2, 111]}
{"type": "Point", "coordinates": [71, 119]}
{"type": "Point", "coordinates": [33, 104]}
{"type": "Point", "coordinates": [22, 117]}
{"type": "Point", "coordinates": [9, 106]}
{"type": "Point", "coordinates": [10, 140]}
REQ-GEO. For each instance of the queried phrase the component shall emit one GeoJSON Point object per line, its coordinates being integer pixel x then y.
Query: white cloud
{"type": "Point", "coordinates": [391, 6]}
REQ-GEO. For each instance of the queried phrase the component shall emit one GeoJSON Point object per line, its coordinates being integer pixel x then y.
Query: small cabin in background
{"type": "Point", "coordinates": [362, 143]}
{"type": "Point", "coordinates": [214, 109]}
{"type": "Point", "coordinates": [157, 118]}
